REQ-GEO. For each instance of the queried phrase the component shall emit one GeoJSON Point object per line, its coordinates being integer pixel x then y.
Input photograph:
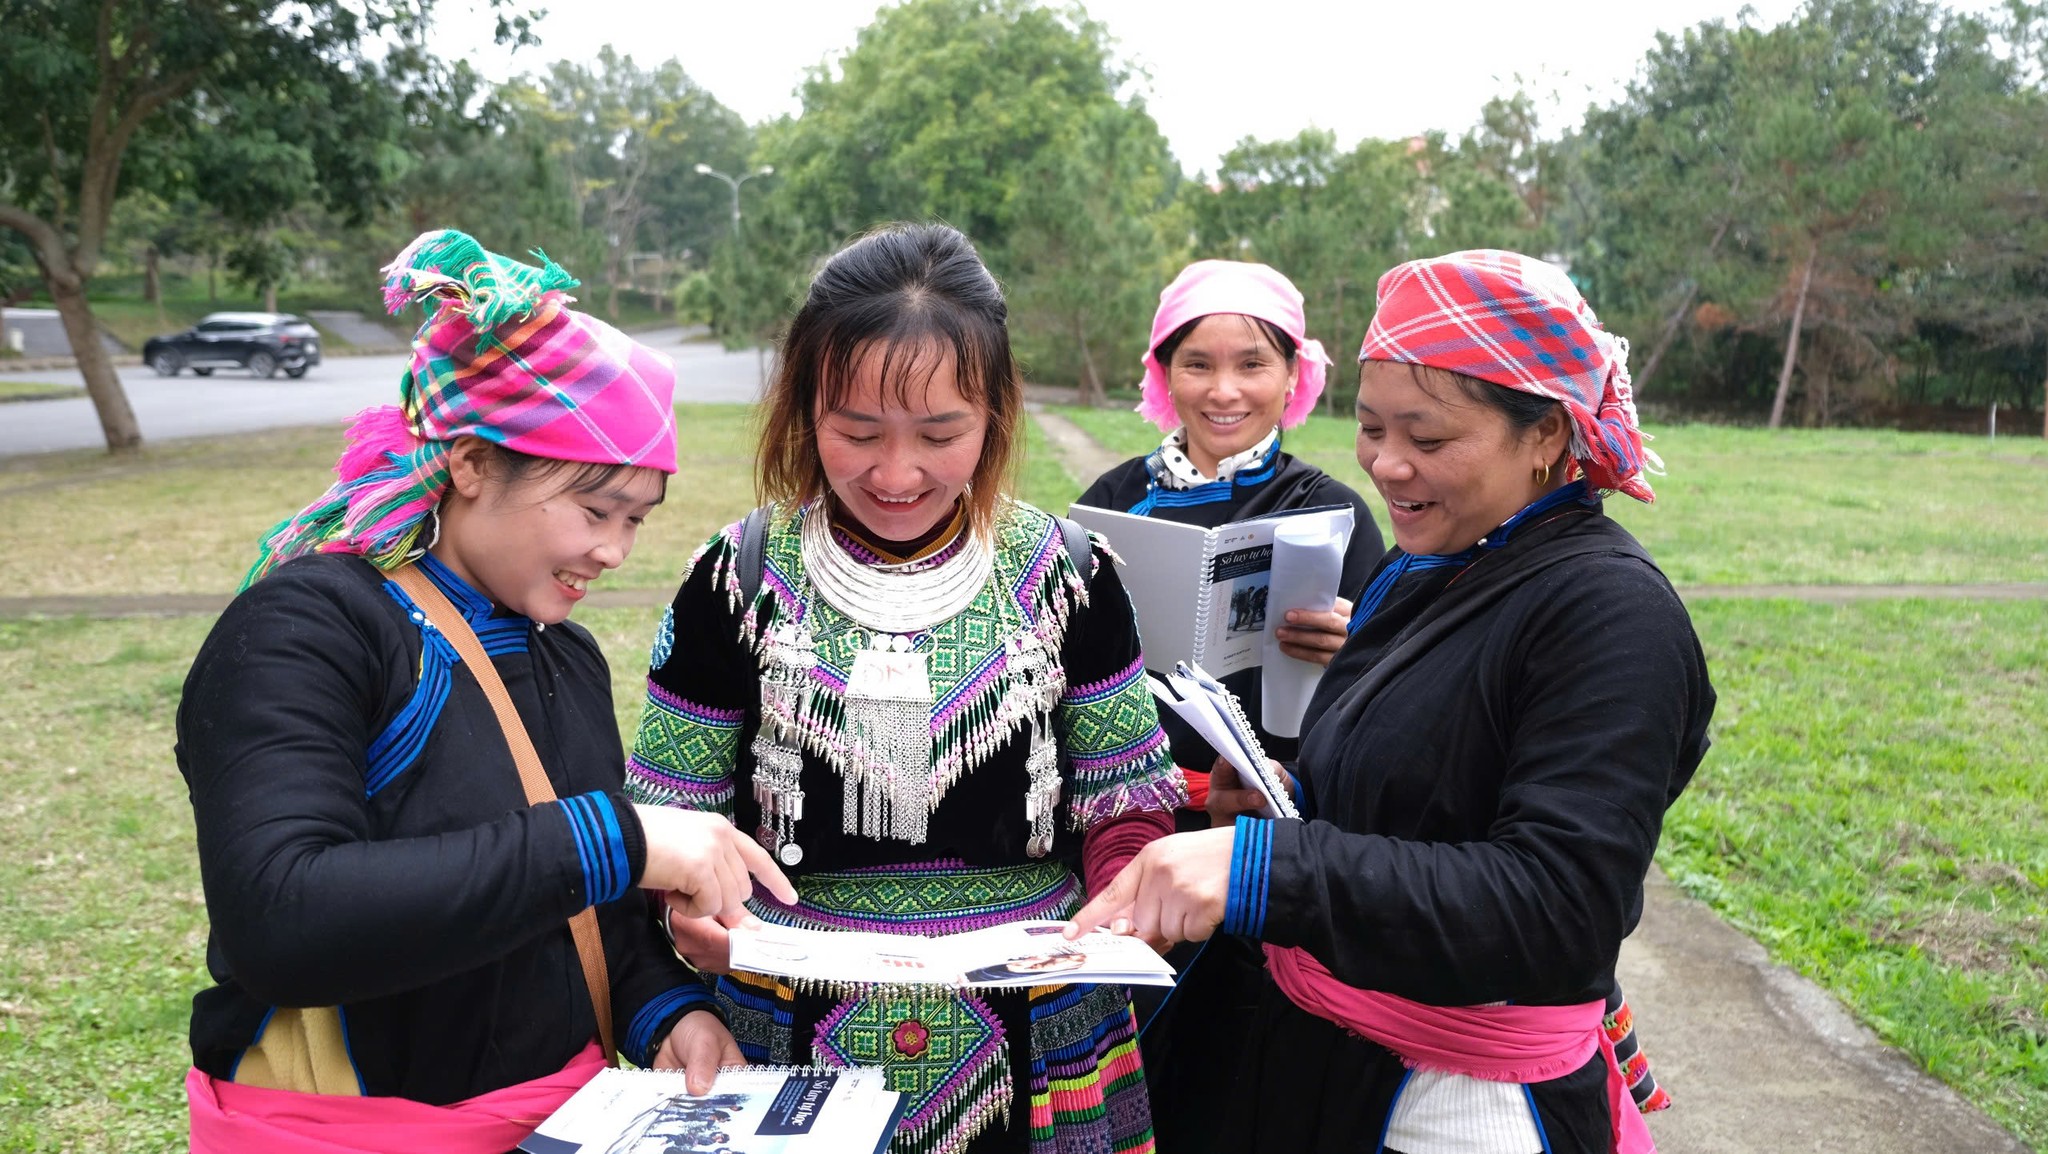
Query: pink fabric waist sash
{"type": "Point", "coordinates": [1495, 1043]}
{"type": "Point", "coordinates": [231, 1119]}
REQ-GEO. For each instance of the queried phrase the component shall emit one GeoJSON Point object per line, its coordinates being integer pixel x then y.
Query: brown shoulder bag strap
{"type": "Point", "coordinates": [443, 615]}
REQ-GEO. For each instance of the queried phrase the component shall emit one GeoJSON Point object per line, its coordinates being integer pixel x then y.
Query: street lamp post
{"type": "Point", "coordinates": [707, 170]}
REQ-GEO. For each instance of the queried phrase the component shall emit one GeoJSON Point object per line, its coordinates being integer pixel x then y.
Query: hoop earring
{"type": "Point", "coordinates": [1542, 476]}
{"type": "Point", "coordinates": [434, 515]}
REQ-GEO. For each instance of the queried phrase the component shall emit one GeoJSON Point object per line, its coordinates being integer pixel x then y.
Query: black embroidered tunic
{"type": "Point", "coordinates": [1053, 1070]}
{"type": "Point", "coordinates": [389, 916]}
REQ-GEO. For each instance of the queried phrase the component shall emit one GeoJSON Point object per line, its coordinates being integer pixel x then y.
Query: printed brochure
{"type": "Point", "coordinates": [1031, 953]}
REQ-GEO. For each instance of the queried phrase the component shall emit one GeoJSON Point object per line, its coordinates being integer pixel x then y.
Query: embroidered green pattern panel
{"type": "Point", "coordinates": [684, 753]}
{"type": "Point", "coordinates": [940, 897]}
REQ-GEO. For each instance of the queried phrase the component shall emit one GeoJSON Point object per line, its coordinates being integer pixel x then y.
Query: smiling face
{"type": "Point", "coordinates": [534, 543]}
{"type": "Point", "coordinates": [898, 454]}
{"type": "Point", "coordinates": [1229, 386]}
{"type": "Point", "coordinates": [1450, 468]}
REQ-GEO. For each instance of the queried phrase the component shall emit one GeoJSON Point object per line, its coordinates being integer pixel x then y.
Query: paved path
{"type": "Point", "coordinates": [1761, 1060]}
{"type": "Point", "coordinates": [169, 408]}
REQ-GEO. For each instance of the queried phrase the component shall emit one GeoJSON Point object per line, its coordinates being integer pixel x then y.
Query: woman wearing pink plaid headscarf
{"type": "Point", "coordinates": [1484, 769]}
{"type": "Point", "coordinates": [403, 923]}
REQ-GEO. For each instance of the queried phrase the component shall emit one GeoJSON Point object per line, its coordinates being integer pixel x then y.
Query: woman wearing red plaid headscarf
{"type": "Point", "coordinates": [1484, 769]}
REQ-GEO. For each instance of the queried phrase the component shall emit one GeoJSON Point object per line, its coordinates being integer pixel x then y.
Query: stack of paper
{"type": "Point", "coordinates": [1218, 717]}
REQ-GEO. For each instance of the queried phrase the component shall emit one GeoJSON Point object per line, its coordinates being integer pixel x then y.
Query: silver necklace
{"type": "Point", "coordinates": [902, 598]}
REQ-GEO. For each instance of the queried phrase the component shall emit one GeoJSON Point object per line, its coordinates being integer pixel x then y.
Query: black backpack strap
{"type": "Point", "coordinates": [753, 552]}
{"type": "Point", "coordinates": [1079, 548]}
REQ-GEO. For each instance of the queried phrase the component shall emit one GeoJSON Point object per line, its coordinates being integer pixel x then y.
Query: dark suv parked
{"type": "Point", "coordinates": [259, 342]}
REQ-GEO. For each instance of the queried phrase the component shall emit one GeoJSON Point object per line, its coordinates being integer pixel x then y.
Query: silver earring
{"type": "Point", "coordinates": [434, 515]}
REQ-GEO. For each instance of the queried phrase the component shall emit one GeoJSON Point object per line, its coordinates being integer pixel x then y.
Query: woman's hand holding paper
{"type": "Point", "coordinates": [1173, 891]}
{"type": "Point", "coordinates": [705, 943]}
{"type": "Point", "coordinates": [1312, 636]}
{"type": "Point", "coordinates": [1229, 795]}
{"type": "Point", "coordinates": [698, 1045]}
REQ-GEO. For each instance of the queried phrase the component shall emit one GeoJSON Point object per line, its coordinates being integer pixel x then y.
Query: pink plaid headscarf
{"type": "Point", "coordinates": [1208, 287]}
{"type": "Point", "coordinates": [503, 357]}
{"type": "Point", "coordinates": [1520, 323]}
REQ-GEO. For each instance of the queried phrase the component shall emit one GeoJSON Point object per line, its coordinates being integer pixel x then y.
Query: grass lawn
{"type": "Point", "coordinates": [12, 390]}
{"type": "Point", "coordinates": [1799, 506]}
{"type": "Point", "coordinates": [1872, 809]}
{"type": "Point", "coordinates": [117, 531]}
{"type": "Point", "coordinates": [104, 926]}
{"type": "Point", "coordinates": [1875, 812]}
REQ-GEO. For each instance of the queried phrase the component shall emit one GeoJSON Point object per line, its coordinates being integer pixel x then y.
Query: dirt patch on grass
{"type": "Point", "coordinates": [1966, 938]}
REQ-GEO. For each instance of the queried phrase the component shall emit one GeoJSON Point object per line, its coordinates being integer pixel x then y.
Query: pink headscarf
{"type": "Point", "coordinates": [503, 357]}
{"type": "Point", "coordinates": [1208, 287]}
{"type": "Point", "coordinates": [1520, 323]}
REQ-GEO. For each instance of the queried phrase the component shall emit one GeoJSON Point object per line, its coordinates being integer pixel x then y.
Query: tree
{"type": "Point", "coordinates": [275, 83]}
{"type": "Point", "coordinates": [937, 112]}
{"type": "Point", "coordinates": [1000, 117]}
{"type": "Point", "coordinates": [1333, 221]}
{"type": "Point", "coordinates": [1086, 251]}
{"type": "Point", "coordinates": [757, 278]}
{"type": "Point", "coordinates": [1831, 182]}
{"type": "Point", "coordinates": [1663, 180]}
{"type": "Point", "coordinates": [628, 140]}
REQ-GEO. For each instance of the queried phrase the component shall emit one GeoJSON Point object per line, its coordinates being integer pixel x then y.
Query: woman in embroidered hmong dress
{"type": "Point", "coordinates": [1484, 768]}
{"type": "Point", "coordinates": [928, 700]}
{"type": "Point", "coordinates": [393, 961]}
{"type": "Point", "coordinates": [1228, 366]}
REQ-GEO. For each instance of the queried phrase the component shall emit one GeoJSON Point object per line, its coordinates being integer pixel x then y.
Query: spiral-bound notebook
{"type": "Point", "coordinates": [1201, 594]}
{"type": "Point", "coordinates": [750, 1110]}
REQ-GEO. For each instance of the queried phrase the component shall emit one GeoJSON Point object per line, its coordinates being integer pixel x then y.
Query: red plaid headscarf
{"type": "Point", "coordinates": [1520, 323]}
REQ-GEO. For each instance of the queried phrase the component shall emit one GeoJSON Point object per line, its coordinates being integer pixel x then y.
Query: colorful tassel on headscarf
{"type": "Point", "coordinates": [1519, 323]}
{"type": "Point", "coordinates": [500, 356]}
{"type": "Point", "coordinates": [481, 285]}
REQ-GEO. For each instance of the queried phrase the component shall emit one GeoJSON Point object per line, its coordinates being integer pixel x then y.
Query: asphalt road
{"type": "Point", "coordinates": [231, 401]}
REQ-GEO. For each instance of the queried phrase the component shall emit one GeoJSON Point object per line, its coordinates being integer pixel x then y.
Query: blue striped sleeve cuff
{"type": "Point", "coordinates": [655, 1019]}
{"type": "Point", "coordinates": [600, 846]}
{"type": "Point", "coordinates": [1251, 869]}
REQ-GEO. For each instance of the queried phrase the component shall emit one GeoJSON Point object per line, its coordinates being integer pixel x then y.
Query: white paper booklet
{"type": "Point", "coordinates": [1215, 714]}
{"type": "Point", "coordinates": [1011, 955]}
{"type": "Point", "coordinates": [755, 1110]}
{"type": "Point", "coordinates": [1206, 595]}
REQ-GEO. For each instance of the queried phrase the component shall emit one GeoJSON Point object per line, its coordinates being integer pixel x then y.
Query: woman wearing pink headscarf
{"type": "Point", "coordinates": [1228, 367]}
{"type": "Point", "coordinates": [1484, 768]}
{"type": "Point", "coordinates": [424, 880]}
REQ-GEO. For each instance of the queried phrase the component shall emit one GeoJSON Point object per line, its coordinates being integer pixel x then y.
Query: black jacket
{"type": "Point", "coordinates": [1477, 829]}
{"type": "Point", "coordinates": [415, 889]}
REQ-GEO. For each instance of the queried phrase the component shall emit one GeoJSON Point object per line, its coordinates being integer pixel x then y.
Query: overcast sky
{"type": "Point", "coordinates": [1219, 71]}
